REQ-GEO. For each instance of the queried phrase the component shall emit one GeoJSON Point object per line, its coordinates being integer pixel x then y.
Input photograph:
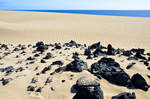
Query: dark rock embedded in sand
{"type": "Point", "coordinates": [130, 65]}
{"type": "Point", "coordinates": [41, 47]}
{"type": "Point", "coordinates": [48, 56]}
{"type": "Point", "coordinates": [140, 56]}
{"type": "Point", "coordinates": [57, 46]}
{"type": "Point", "coordinates": [88, 89]}
{"type": "Point", "coordinates": [30, 88]}
{"type": "Point", "coordinates": [5, 81]}
{"type": "Point", "coordinates": [20, 69]}
{"type": "Point", "coordinates": [71, 44]}
{"type": "Point", "coordinates": [139, 82]}
{"type": "Point", "coordinates": [110, 50]}
{"type": "Point", "coordinates": [77, 66]}
{"type": "Point", "coordinates": [127, 53]}
{"type": "Point", "coordinates": [43, 61]}
{"type": "Point", "coordinates": [94, 46]}
{"type": "Point", "coordinates": [46, 69]}
{"type": "Point", "coordinates": [8, 70]}
{"type": "Point", "coordinates": [39, 89]}
{"type": "Point", "coordinates": [60, 63]}
{"type": "Point", "coordinates": [34, 80]}
{"type": "Point", "coordinates": [48, 80]}
{"type": "Point", "coordinates": [111, 71]}
{"type": "Point", "coordinates": [125, 95]}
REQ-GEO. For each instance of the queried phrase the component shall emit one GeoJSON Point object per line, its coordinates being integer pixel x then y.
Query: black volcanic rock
{"type": "Point", "coordinates": [125, 95]}
{"type": "Point", "coordinates": [99, 52]}
{"type": "Point", "coordinates": [48, 56]}
{"type": "Point", "coordinates": [127, 53]}
{"type": "Point", "coordinates": [60, 63]}
{"type": "Point", "coordinates": [20, 69]}
{"type": "Point", "coordinates": [30, 88]}
{"type": "Point", "coordinates": [140, 56]}
{"type": "Point", "coordinates": [30, 58]}
{"type": "Point", "coordinates": [43, 61]}
{"type": "Point", "coordinates": [71, 44]}
{"type": "Point", "coordinates": [88, 89]}
{"type": "Point", "coordinates": [75, 55]}
{"type": "Point", "coordinates": [9, 70]}
{"type": "Point", "coordinates": [39, 89]}
{"type": "Point", "coordinates": [130, 65]}
{"type": "Point", "coordinates": [139, 50]}
{"type": "Point", "coordinates": [41, 47]}
{"type": "Point", "coordinates": [46, 69]}
{"type": "Point", "coordinates": [48, 80]}
{"type": "Point", "coordinates": [36, 55]}
{"type": "Point", "coordinates": [139, 82]}
{"type": "Point", "coordinates": [110, 50]}
{"type": "Point", "coordinates": [111, 71]}
{"type": "Point", "coordinates": [77, 66]}
{"type": "Point", "coordinates": [94, 46]}
{"type": "Point", "coordinates": [5, 81]}
{"type": "Point", "coordinates": [57, 46]}
{"type": "Point", "coordinates": [146, 63]}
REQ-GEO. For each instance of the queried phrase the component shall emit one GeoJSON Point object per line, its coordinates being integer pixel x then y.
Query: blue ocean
{"type": "Point", "coordinates": [128, 13]}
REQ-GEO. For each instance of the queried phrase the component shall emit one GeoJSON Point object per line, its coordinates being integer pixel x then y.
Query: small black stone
{"type": "Point", "coordinates": [52, 88]}
{"type": "Point", "coordinates": [130, 65]}
{"type": "Point", "coordinates": [148, 68]}
{"type": "Point", "coordinates": [43, 61]}
{"type": "Point", "coordinates": [30, 88]}
{"type": "Point", "coordinates": [39, 89]}
{"type": "Point", "coordinates": [63, 81]}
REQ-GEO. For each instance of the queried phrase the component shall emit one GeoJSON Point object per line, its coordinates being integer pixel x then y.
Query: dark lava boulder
{"type": "Point", "coordinates": [77, 66]}
{"type": "Point", "coordinates": [30, 88]}
{"type": "Point", "coordinates": [60, 63]}
{"type": "Point", "coordinates": [139, 50]}
{"type": "Point", "coordinates": [88, 53]}
{"type": "Point", "coordinates": [57, 46]}
{"type": "Point", "coordinates": [8, 70]}
{"type": "Point", "coordinates": [5, 81]}
{"type": "Point", "coordinates": [48, 56]}
{"type": "Point", "coordinates": [88, 89]}
{"type": "Point", "coordinates": [127, 53]}
{"type": "Point", "coordinates": [111, 71]}
{"type": "Point", "coordinates": [99, 52]}
{"type": "Point", "coordinates": [41, 47]}
{"type": "Point", "coordinates": [75, 55]}
{"type": "Point", "coordinates": [46, 69]}
{"type": "Point", "coordinates": [130, 65]}
{"type": "Point", "coordinates": [94, 46]}
{"type": "Point", "coordinates": [125, 95]}
{"type": "Point", "coordinates": [139, 82]}
{"type": "Point", "coordinates": [140, 56]}
{"type": "Point", "coordinates": [110, 50]}
{"type": "Point", "coordinates": [71, 44]}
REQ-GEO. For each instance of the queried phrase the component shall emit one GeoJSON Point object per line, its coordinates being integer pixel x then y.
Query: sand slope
{"type": "Point", "coordinates": [30, 27]}
{"type": "Point", "coordinates": [120, 31]}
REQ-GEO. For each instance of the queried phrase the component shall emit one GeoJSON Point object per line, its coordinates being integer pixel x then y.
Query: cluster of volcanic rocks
{"type": "Point", "coordinates": [106, 68]}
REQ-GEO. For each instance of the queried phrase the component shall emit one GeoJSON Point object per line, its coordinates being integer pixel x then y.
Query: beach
{"type": "Point", "coordinates": [20, 27]}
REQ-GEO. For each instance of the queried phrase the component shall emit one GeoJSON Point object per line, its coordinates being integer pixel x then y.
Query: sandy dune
{"type": "Point", "coordinates": [123, 32]}
{"type": "Point", "coordinates": [30, 27]}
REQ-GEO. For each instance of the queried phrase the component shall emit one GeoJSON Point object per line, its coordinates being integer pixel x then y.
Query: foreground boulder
{"type": "Point", "coordinates": [111, 71]}
{"type": "Point", "coordinates": [88, 89]}
{"type": "Point", "coordinates": [125, 95]}
{"type": "Point", "coordinates": [139, 82]}
{"type": "Point", "coordinates": [77, 66]}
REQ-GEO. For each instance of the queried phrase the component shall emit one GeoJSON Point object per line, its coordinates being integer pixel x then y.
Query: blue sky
{"type": "Point", "coordinates": [75, 4]}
